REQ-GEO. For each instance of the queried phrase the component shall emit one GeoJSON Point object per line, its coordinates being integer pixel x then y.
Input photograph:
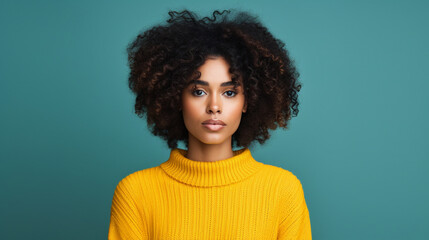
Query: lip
{"type": "Point", "coordinates": [214, 125]}
{"type": "Point", "coordinates": [213, 122]}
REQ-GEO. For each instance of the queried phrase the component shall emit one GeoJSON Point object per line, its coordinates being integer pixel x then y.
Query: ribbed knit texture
{"type": "Point", "coordinates": [234, 198]}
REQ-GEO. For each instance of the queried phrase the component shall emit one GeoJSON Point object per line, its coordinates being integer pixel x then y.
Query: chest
{"type": "Point", "coordinates": [234, 212]}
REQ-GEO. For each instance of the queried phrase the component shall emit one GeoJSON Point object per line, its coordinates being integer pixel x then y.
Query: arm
{"type": "Point", "coordinates": [296, 222]}
{"type": "Point", "coordinates": [126, 221]}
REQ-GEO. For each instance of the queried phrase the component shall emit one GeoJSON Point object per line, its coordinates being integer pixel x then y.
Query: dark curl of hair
{"type": "Point", "coordinates": [165, 58]}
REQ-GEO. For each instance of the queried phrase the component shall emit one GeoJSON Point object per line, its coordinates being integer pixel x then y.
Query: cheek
{"type": "Point", "coordinates": [191, 110]}
{"type": "Point", "coordinates": [236, 111]}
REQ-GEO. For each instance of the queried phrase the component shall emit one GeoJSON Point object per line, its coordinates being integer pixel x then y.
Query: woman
{"type": "Point", "coordinates": [213, 83]}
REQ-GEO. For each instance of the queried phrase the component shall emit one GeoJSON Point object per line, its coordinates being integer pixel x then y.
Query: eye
{"type": "Point", "coordinates": [230, 93]}
{"type": "Point", "coordinates": [198, 92]}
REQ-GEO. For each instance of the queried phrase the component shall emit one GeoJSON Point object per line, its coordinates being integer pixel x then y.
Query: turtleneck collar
{"type": "Point", "coordinates": [209, 174]}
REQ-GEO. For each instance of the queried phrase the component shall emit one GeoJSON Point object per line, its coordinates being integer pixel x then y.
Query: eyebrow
{"type": "Point", "coordinates": [204, 83]}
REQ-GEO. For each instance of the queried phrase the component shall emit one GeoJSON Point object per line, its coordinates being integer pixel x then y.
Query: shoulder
{"type": "Point", "coordinates": [280, 173]}
{"type": "Point", "coordinates": [138, 179]}
{"type": "Point", "coordinates": [286, 181]}
{"type": "Point", "coordinates": [288, 186]}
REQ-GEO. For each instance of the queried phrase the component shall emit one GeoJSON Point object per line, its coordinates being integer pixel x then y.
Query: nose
{"type": "Point", "coordinates": [214, 105]}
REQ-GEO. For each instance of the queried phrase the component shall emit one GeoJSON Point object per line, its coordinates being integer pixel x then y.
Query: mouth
{"type": "Point", "coordinates": [214, 122]}
{"type": "Point", "coordinates": [213, 127]}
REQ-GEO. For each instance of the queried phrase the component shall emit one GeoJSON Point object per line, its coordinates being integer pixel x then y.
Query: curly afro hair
{"type": "Point", "coordinates": [165, 58]}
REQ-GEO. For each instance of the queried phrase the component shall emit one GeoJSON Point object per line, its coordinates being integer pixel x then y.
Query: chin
{"type": "Point", "coordinates": [212, 140]}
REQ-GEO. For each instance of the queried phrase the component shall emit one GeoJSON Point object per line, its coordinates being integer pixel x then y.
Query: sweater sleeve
{"type": "Point", "coordinates": [296, 218]}
{"type": "Point", "coordinates": [126, 221]}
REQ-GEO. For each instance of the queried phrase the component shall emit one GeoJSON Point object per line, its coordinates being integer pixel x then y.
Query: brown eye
{"type": "Point", "coordinates": [230, 93]}
{"type": "Point", "coordinates": [197, 92]}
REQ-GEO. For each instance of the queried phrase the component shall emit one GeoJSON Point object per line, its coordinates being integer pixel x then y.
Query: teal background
{"type": "Point", "coordinates": [360, 144]}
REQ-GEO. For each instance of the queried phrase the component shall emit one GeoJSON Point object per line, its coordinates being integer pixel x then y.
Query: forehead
{"type": "Point", "coordinates": [215, 70]}
{"type": "Point", "coordinates": [214, 73]}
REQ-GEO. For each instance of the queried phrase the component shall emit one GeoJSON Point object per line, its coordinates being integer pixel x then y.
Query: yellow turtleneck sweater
{"type": "Point", "coordinates": [234, 198]}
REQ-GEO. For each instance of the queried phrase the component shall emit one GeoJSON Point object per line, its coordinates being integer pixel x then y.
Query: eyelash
{"type": "Point", "coordinates": [195, 90]}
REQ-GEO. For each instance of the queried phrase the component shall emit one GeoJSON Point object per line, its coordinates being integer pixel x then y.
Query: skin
{"type": "Point", "coordinates": [207, 99]}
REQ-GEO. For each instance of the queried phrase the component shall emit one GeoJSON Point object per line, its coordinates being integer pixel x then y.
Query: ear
{"type": "Point", "coordinates": [245, 107]}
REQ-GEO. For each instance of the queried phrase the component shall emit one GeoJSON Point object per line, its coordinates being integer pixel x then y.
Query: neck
{"type": "Point", "coordinates": [202, 152]}
{"type": "Point", "coordinates": [209, 174]}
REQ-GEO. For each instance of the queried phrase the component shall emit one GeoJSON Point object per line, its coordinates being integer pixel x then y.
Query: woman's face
{"type": "Point", "coordinates": [211, 106]}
